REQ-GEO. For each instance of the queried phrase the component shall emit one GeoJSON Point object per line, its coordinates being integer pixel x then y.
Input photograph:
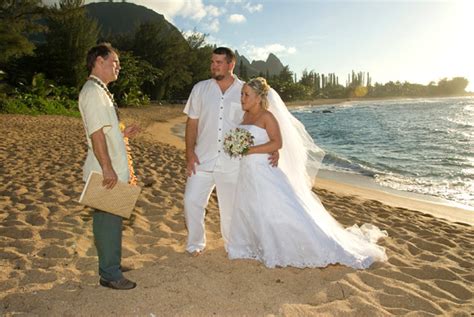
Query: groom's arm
{"type": "Point", "coordinates": [190, 140]}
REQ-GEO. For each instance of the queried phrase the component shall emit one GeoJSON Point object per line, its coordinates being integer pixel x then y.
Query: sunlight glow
{"type": "Point", "coordinates": [460, 52]}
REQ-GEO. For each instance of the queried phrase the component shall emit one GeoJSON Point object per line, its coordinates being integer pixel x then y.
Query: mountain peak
{"type": "Point", "coordinates": [123, 17]}
{"type": "Point", "coordinates": [272, 66]}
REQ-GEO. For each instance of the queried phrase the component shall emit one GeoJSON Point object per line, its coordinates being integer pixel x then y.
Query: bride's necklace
{"type": "Point", "coordinates": [111, 97]}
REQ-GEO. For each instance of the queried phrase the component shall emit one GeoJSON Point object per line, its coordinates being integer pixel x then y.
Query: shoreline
{"type": "Point", "coordinates": [342, 183]}
{"type": "Point", "coordinates": [172, 132]}
{"type": "Point", "coordinates": [336, 101]}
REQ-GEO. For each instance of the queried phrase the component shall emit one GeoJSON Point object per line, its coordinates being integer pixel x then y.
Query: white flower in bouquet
{"type": "Point", "coordinates": [237, 142]}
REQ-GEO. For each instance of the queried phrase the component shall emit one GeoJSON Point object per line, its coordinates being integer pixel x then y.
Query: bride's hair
{"type": "Point", "coordinates": [260, 86]}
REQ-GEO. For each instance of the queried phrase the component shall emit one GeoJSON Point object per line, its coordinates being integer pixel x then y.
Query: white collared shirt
{"type": "Point", "coordinates": [217, 113]}
{"type": "Point", "coordinates": [97, 111]}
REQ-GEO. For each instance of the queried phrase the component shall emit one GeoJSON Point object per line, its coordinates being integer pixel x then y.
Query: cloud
{"type": "Point", "coordinates": [253, 8]}
{"type": "Point", "coordinates": [214, 11]}
{"type": "Point", "coordinates": [261, 53]}
{"type": "Point", "coordinates": [212, 25]}
{"type": "Point", "coordinates": [236, 18]}
{"type": "Point", "coordinates": [192, 9]}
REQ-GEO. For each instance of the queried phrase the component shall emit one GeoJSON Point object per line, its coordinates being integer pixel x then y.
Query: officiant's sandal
{"type": "Point", "coordinates": [122, 284]}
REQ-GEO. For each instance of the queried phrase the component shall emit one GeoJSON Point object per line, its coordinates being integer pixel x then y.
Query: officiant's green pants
{"type": "Point", "coordinates": [107, 230]}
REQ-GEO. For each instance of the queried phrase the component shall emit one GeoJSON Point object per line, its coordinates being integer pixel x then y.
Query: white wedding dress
{"type": "Point", "coordinates": [281, 224]}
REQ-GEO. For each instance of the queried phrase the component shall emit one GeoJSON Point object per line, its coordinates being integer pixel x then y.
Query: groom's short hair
{"type": "Point", "coordinates": [229, 54]}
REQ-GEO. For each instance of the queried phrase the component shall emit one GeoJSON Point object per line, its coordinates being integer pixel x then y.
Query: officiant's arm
{"type": "Point", "coordinates": [273, 130]}
{"type": "Point", "coordinates": [190, 140]}
{"type": "Point", "coordinates": [99, 146]}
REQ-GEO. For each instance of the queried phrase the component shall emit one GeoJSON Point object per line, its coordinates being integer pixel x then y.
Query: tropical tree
{"type": "Point", "coordinates": [18, 19]}
{"type": "Point", "coordinates": [199, 58]}
{"type": "Point", "coordinates": [167, 51]}
{"type": "Point", "coordinates": [135, 73]}
{"type": "Point", "coordinates": [456, 85]}
{"type": "Point", "coordinates": [71, 33]}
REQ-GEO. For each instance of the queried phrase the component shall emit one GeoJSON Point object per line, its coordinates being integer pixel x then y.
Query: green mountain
{"type": "Point", "coordinates": [122, 17]}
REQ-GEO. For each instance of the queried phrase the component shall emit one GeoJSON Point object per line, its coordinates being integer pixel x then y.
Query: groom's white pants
{"type": "Point", "coordinates": [199, 187]}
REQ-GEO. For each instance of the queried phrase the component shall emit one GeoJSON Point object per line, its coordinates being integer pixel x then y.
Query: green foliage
{"type": "Point", "coordinates": [290, 91]}
{"type": "Point", "coordinates": [166, 51]}
{"type": "Point", "coordinates": [445, 87]}
{"type": "Point", "coordinates": [34, 105]}
{"type": "Point", "coordinates": [71, 34]}
{"type": "Point", "coordinates": [42, 97]}
{"type": "Point", "coordinates": [242, 71]}
{"type": "Point", "coordinates": [17, 21]}
{"type": "Point", "coordinates": [42, 87]}
{"type": "Point", "coordinates": [285, 76]}
{"type": "Point", "coordinates": [360, 85]}
{"type": "Point", "coordinates": [134, 74]}
{"type": "Point", "coordinates": [4, 87]}
{"type": "Point", "coordinates": [456, 85]}
{"type": "Point", "coordinates": [199, 55]}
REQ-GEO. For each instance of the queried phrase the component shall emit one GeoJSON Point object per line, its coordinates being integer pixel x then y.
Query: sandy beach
{"type": "Point", "coordinates": [48, 264]}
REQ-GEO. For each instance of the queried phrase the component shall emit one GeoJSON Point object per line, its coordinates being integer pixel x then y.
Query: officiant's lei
{"type": "Point", "coordinates": [133, 177]}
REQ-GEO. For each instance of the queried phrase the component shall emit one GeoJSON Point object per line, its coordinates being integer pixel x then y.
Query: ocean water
{"type": "Point", "coordinates": [425, 146]}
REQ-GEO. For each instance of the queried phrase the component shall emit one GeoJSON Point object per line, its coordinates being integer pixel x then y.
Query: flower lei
{"type": "Point", "coordinates": [133, 177]}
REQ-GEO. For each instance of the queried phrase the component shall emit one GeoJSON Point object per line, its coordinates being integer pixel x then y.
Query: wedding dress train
{"type": "Point", "coordinates": [280, 223]}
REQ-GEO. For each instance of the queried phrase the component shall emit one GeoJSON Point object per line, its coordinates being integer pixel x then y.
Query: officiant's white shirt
{"type": "Point", "coordinates": [97, 111]}
{"type": "Point", "coordinates": [217, 113]}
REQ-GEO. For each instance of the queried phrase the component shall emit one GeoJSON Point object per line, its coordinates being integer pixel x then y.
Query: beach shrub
{"type": "Point", "coordinates": [41, 97]}
{"type": "Point", "coordinates": [34, 105]}
{"type": "Point", "coordinates": [135, 97]}
{"type": "Point", "coordinates": [135, 73]}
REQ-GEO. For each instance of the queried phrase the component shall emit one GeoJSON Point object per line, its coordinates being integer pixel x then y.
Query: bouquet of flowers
{"type": "Point", "coordinates": [237, 142]}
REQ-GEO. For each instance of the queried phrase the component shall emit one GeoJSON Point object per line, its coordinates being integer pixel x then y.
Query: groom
{"type": "Point", "coordinates": [213, 109]}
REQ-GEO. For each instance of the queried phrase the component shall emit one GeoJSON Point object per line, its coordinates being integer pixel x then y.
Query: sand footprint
{"type": "Point", "coordinates": [455, 289]}
{"type": "Point", "coordinates": [428, 272]}
{"type": "Point", "coordinates": [38, 276]}
{"type": "Point", "coordinates": [409, 301]}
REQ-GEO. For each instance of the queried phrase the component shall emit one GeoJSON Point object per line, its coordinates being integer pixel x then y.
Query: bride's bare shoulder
{"type": "Point", "coordinates": [267, 115]}
{"type": "Point", "coordinates": [269, 119]}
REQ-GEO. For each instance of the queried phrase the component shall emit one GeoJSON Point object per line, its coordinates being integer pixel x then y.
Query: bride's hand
{"type": "Point", "coordinates": [273, 158]}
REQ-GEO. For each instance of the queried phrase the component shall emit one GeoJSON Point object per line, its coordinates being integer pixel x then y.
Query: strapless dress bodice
{"type": "Point", "coordinates": [260, 136]}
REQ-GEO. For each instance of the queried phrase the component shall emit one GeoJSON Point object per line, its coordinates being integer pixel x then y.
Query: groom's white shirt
{"type": "Point", "coordinates": [217, 113]}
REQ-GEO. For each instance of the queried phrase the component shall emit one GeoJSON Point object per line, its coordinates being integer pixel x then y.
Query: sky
{"type": "Point", "coordinates": [416, 41]}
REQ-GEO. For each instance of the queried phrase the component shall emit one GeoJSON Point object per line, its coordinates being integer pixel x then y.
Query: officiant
{"type": "Point", "coordinates": [107, 154]}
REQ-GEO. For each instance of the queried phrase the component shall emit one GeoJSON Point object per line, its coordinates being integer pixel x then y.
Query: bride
{"type": "Point", "coordinates": [277, 219]}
